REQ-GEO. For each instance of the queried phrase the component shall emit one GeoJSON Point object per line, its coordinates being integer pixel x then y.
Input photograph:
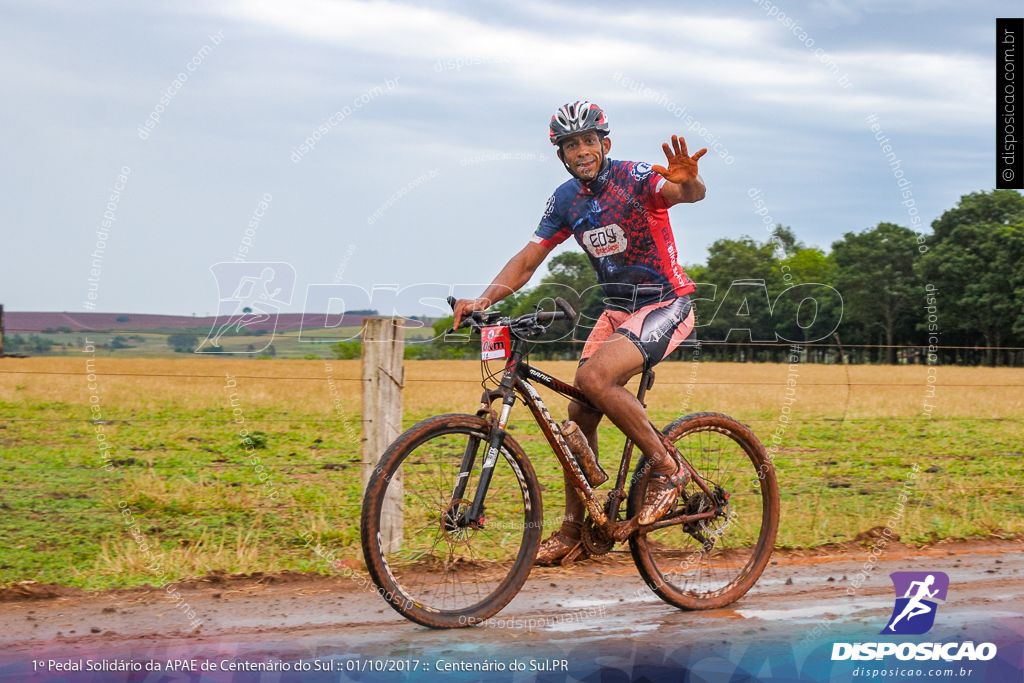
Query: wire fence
{"type": "Point", "coordinates": [285, 335]}
{"type": "Point", "coordinates": [470, 381]}
{"type": "Point", "coordinates": [355, 464]}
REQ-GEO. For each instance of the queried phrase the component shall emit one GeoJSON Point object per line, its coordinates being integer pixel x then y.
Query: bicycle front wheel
{"type": "Point", "coordinates": [711, 562]}
{"type": "Point", "coordinates": [431, 570]}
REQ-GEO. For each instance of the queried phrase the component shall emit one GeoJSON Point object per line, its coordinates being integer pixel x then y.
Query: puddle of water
{"type": "Point", "coordinates": [650, 597]}
{"type": "Point", "coordinates": [816, 610]}
{"type": "Point", "coordinates": [622, 624]}
{"type": "Point", "coordinates": [804, 579]}
{"type": "Point", "coordinates": [585, 604]}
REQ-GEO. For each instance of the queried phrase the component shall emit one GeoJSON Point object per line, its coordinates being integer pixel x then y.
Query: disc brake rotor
{"type": "Point", "coordinates": [698, 503]}
{"type": "Point", "coordinates": [456, 535]}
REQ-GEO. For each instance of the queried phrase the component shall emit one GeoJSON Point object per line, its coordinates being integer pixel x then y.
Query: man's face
{"type": "Point", "coordinates": [583, 154]}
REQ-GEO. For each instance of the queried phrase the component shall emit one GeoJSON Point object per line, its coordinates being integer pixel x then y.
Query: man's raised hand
{"type": "Point", "coordinates": [681, 166]}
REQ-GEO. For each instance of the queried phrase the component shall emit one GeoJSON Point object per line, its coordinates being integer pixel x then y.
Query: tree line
{"type": "Point", "coordinates": [879, 296]}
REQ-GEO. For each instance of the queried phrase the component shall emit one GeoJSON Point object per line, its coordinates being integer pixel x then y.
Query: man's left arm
{"type": "Point", "coordinates": [682, 183]}
{"type": "Point", "coordinates": [687, 192]}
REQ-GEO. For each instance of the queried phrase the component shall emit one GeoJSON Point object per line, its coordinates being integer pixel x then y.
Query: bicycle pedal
{"type": "Point", "coordinates": [573, 555]}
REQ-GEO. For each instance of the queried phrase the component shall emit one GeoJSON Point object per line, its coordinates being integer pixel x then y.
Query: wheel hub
{"type": "Point", "coordinates": [698, 503]}
{"type": "Point", "coordinates": [456, 533]}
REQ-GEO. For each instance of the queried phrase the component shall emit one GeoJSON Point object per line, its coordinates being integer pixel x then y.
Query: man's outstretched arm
{"type": "Point", "coordinates": [516, 273]}
{"type": "Point", "coordinates": [683, 185]}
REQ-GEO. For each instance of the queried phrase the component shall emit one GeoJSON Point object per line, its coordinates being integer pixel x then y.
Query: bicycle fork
{"type": "Point", "coordinates": [473, 517]}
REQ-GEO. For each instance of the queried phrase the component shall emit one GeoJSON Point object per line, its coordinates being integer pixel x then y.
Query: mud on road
{"type": "Point", "coordinates": [598, 601]}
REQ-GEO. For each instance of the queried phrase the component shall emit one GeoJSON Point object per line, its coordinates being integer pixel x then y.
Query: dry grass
{"type": "Point", "coordinates": [202, 504]}
{"type": "Point", "coordinates": [236, 551]}
{"type": "Point", "coordinates": [743, 390]}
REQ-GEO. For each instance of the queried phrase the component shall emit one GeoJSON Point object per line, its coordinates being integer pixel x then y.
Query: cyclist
{"type": "Point", "coordinates": [618, 212]}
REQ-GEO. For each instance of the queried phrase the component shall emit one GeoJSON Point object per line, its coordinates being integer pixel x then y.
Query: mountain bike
{"type": "Point", "coordinates": [452, 516]}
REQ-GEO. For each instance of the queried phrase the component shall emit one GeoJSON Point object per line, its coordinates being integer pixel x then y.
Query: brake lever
{"type": "Point", "coordinates": [527, 328]}
{"type": "Point", "coordinates": [472, 321]}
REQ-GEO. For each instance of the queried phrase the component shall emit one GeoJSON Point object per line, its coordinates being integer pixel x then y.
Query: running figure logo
{"type": "Point", "coordinates": [914, 613]}
{"type": "Point", "coordinates": [250, 299]}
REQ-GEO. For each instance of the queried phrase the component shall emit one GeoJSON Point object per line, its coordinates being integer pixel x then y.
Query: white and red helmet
{"type": "Point", "coordinates": [577, 117]}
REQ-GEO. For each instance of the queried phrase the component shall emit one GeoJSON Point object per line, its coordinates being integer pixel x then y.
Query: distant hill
{"type": "Point", "coordinates": [21, 322]}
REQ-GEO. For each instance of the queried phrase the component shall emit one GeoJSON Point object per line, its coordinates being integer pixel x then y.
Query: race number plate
{"type": "Point", "coordinates": [495, 343]}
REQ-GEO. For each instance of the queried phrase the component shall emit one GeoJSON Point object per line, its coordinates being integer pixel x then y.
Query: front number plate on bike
{"type": "Point", "coordinates": [495, 343]}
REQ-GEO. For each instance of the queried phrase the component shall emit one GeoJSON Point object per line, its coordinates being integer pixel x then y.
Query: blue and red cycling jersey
{"type": "Point", "coordinates": [621, 221]}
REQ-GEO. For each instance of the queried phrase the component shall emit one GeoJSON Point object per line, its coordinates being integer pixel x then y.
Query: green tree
{"type": "Point", "coordinates": [785, 241]}
{"type": "Point", "coordinates": [37, 343]}
{"type": "Point", "coordinates": [976, 264]}
{"type": "Point", "coordinates": [13, 343]}
{"type": "Point", "coordinates": [750, 285]}
{"type": "Point", "coordinates": [740, 278]}
{"type": "Point", "coordinates": [352, 350]}
{"type": "Point", "coordinates": [876, 279]}
{"type": "Point", "coordinates": [183, 343]}
{"type": "Point", "coordinates": [571, 277]}
{"type": "Point", "coordinates": [805, 267]}
{"type": "Point", "coordinates": [444, 347]}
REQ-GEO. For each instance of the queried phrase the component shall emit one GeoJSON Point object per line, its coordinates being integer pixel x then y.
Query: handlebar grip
{"type": "Point", "coordinates": [565, 308]}
{"type": "Point", "coordinates": [475, 316]}
{"type": "Point", "coordinates": [451, 302]}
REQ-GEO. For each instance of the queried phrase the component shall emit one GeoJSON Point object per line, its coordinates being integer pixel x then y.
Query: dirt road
{"type": "Point", "coordinates": [602, 606]}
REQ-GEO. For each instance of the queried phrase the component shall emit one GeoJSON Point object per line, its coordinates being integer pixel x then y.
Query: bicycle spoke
{"type": "Point", "coordinates": [714, 555]}
{"type": "Point", "coordinates": [447, 567]}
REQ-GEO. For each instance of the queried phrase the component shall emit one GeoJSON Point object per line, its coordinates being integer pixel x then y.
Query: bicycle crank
{"type": "Point", "coordinates": [595, 540]}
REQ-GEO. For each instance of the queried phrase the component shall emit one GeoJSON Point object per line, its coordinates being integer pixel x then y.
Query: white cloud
{"type": "Point", "coordinates": [285, 66]}
{"type": "Point", "coordinates": [749, 57]}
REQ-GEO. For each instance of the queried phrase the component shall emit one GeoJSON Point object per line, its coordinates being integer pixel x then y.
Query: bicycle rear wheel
{"type": "Point", "coordinates": [438, 574]}
{"type": "Point", "coordinates": [712, 562]}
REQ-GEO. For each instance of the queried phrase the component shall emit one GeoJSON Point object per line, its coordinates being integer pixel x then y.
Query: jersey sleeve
{"type": "Point", "coordinates": [552, 230]}
{"type": "Point", "coordinates": [648, 184]}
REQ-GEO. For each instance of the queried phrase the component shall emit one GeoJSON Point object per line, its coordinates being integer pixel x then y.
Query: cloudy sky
{"type": "Point", "coordinates": [80, 80]}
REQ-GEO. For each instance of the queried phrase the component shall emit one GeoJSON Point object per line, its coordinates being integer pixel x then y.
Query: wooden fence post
{"type": "Point", "coordinates": [383, 379]}
{"type": "Point", "coordinates": [1, 330]}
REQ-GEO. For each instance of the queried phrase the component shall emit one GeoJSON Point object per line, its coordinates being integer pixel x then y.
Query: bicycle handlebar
{"type": "Point", "coordinates": [478, 319]}
{"type": "Point", "coordinates": [565, 308]}
{"type": "Point", "coordinates": [564, 312]}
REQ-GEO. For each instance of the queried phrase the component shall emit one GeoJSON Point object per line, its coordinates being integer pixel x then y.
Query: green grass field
{"type": "Point", "coordinates": [196, 496]}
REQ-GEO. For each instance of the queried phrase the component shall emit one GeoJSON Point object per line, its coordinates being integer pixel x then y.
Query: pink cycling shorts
{"type": "Point", "coordinates": [657, 329]}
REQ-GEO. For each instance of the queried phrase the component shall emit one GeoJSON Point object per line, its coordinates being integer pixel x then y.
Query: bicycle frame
{"type": "Point", "coordinates": [516, 381]}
